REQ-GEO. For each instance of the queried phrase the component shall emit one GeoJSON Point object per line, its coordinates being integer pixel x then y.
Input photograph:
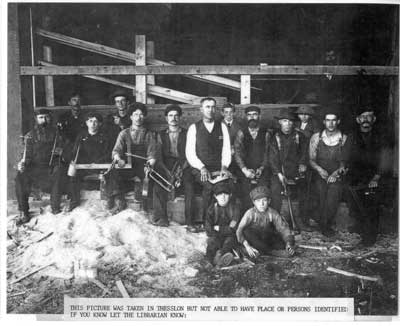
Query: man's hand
{"type": "Point", "coordinates": [282, 179]}
{"type": "Point", "coordinates": [225, 172]}
{"type": "Point", "coordinates": [259, 171]}
{"type": "Point", "coordinates": [332, 178]}
{"type": "Point", "coordinates": [290, 249]}
{"type": "Point", "coordinates": [253, 252]}
{"type": "Point", "coordinates": [216, 228]}
{"type": "Point", "coordinates": [121, 163]}
{"type": "Point", "coordinates": [232, 225]}
{"type": "Point", "coordinates": [323, 174]}
{"type": "Point", "coordinates": [374, 181]}
{"type": "Point", "coordinates": [58, 151]}
{"type": "Point", "coordinates": [248, 173]}
{"type": "Point", "coordinates": [302, 168]}
{"type": "Point", "coordinates": [204, 174]}
{"type": "Point", "coordinates": [21, 166]}
{"type": "Point", "coordinates": [151, 162]}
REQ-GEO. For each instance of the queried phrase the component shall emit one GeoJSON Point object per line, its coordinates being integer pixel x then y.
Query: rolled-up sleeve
{"type": "Point", "coordinates": [246, 220]}
{"type": "Point", "coordinates": [239, 149]}
{"type": "Point", "coordinates": [119, 145]}
{"type": "Point", "coordinates": [190, 150]}
{"type": "Point", "coordinates": [226, 156]}
{"type": "Point", "coordinates": [151, 145]}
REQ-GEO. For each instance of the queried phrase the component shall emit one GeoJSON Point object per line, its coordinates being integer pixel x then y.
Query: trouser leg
{"type": "Point", "coordinates": [276, 196]}
{"type": "Point", "coordinates": [244, 191]}
{"type": "Point", "coordinates": [228, 244]}
{"type": "Point", "coordinates": [333, 196]}
{"type": "Point", "coordinates": [56, 186]}
{"type": "Point", "coordinates": [188, 180]}
{"type": "Point", "coordinates": [160, 198]}
{"type": "Point", "coordinates": [213, 245]}
{"type": "Point", "coordinates": [22, 190]}
{"type": "Point", "coordinates": [206, 193]}
{"type": "Point", "coordinates": [256, 240]}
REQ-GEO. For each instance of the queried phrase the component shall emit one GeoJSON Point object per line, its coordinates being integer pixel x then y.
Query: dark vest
{"type": "Point", "coordinates": [254, 148]}
{"type": "Point", "coordinates": [42, 144]}
{"type": "Point", "coordinates": [166, 146]}
{"type": "Point", "coordinates": [209, 145]}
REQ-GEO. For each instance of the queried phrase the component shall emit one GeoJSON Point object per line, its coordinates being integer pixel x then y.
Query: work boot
{"type": "Point", "coordinates": [24, 218]}
{"type": "Point", "coordinates": [71, 206]}
{"type": "Point", "coordinates": [225, 260]}
{"type": "Point", "coordinates": [120, 205]}
{"type": "Point", "coordinates": [160, 222]}
{"type": "Point", "coordinates": [303, 225]}
{"type": "Point", "coordinates": [192, 229]}
{"type": "Point", "coordinates": [217, 257]}
{"type": "Point", "coordinates": [109, 203]}
{"type": "Point", "coordinates": [328, 232]}
{"type": "Point", "coordinates": [55, 211]}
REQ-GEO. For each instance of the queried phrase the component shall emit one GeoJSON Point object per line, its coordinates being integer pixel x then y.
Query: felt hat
{"type": "Point", "coordinates": [222, 187]}
{"type": "Point", "coordinates": [96, 115]}
{"type": "Point", "coordinates": [331, 109]}
{"type": "Point", "coordinates": [173, 107]}
{"type": "Point", "coordinates": [137, 106]}
{"type": "Point", "coordinates": [252, 108]}
{"type": "Point", "coordinates": [42, 111]}
{"type": "Point", "coordinates": [285, 113]}
{"type": "Point", "coordinates": [305, 109]}
{"type": "Point", "coordinates": [119, 92]}
{"type": "Point", "coordinates": [260, 192]}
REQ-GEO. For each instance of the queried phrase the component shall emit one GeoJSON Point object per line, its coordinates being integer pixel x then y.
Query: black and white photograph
{"type": "Point", "coordinates": [202, 151]}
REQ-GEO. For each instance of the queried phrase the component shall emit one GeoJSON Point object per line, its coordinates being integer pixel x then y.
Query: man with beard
{"type": "Point", "coordinates": [288, 160]}
{"type": "Point", "coordinates": [136, 140]}
{"type": "Point", "coordinates": [208, 151]}
{"type": "Point", "coordinates": [173, 143]}
{"type": "Point", "coordinates": [72, 123]}
{"type": "Point", "coordinates": [366, 170]}
{"type": "Point", "coordinates": [251, 155]}
{"type": "Point", "coordinates": [329, 154]}
{"type": "Point", "coordinates": [39, 166]}
{"type": "Point", "coordinates": [92, 146]}
{"type": "Point", "coordinates": [119, 119]}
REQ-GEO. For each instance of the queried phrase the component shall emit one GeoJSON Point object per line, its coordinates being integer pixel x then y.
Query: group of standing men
{"type": "Point", "coordinates": [252, 161]}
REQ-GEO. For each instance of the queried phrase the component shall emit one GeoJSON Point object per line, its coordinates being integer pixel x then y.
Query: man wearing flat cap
{"type": "Point", "coordinates": [72, 123]}
{"type": "Point", "coordinates": [306, 125]}
{"type": "Point", "coordinates": [251, 155]}
{"type": "Point", "coordinates": [208, 150]}
{"type": "Point", "coordinates": [91, 146]}
{"type": "Point", "coordinates": [368, 166]}
{"type": "Point", "coordinates": [329, 155]}
{"type": "Point", "coordinates": [119, 119]}
{"type": "Point", "coordinates": [40, 165]}
{"type": "Point", "coordinates": [262, 230]}
{"type": "Point", "coordinates": [288, 160]}
{"type": "Point", "coordinates": [136, 140]}
{"type": "Point", "coordinates": [172, 164]}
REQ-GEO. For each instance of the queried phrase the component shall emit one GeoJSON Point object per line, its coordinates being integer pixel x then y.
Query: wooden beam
{"type": "Point", "coordinates": [151, 80]}
{"type": "Point", "coordinates": [141, 84]}
{"type": "Point", "coordinates": [130, 57]}
{"type": "Point", "coordinates": [220, 70]}
{"type": "Point", "coordinates": [151, 89]}
{"type": "Point", "coordinates": [99, 166]}
{"type": "Point", "coordinates": [245, 89]}
{"type": "Point", "coordinates": [48, 80]}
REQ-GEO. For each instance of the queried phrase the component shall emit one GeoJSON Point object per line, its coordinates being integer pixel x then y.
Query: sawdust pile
{"type": "Point", "coordinates": [91, 237]}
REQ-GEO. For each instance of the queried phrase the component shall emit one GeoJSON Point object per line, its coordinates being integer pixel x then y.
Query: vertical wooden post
{"type": "Point", "coordinates": [151, 80]}
{"type": "Point", "coordinates": [14, 105]}
{"type": "Point", "coordinates": [140, 50]}
{"type": "Point", "coordinates": [48, 80]}
{"type": "Point", "coordinates": [245, 89]}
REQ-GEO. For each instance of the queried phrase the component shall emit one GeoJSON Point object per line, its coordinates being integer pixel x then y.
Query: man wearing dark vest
{"type": "Point", "coordinates": [135, 140]}
{"type": "Point", "coordinates": [288, 160]}
{"type": "Point", "coordinates": [39, 166]}
{"type": "Point", "coordinates": [366, 173]}
{"type": "Point", "coordinates": [329, 155]}
{"type": "Point", "coordinates": [172, 141]}
{"type": "Point", "coordinates": [91, 146]}
{"type": "Point", "coordinates": [72, 123]}
{"type": "Point", "coordinates": [208, 150]}
{"type": "Point", "coordinates": [251, 155]}
{"type": "Point", "coordinates": [119, 119]}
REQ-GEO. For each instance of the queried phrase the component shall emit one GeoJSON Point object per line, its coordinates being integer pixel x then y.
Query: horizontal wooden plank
{"type": "Point", "coordinates": [99, 166]}
{"type": "Point", "coordinates": [209, 69]}
{"type": "Point", "coordinates": [151, 89]}
{"type": "Point", "coordinates": [130, 57]}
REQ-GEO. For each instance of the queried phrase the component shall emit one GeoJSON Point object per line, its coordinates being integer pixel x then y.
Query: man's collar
{"type": "Point", "coordinates": [169, 131]}
{"type": "Point", "coordinates": [134, 128]}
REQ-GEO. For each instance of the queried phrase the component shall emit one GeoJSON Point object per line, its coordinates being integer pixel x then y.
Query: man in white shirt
{"type": "Point", "coordinates": [208, 150]}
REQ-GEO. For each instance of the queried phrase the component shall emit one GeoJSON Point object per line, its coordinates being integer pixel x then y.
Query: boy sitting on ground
{"type": "Point", "coordinates": [262, 229]}
{"type": "Point", "coordinates": [221, 220]}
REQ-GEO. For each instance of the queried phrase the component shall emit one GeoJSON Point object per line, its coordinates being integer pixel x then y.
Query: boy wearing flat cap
{"type": "Point", "coordinates": [306, 125]}
{"type": "Point", "coordinates": [221, 220]}
{"type": "Point", "coordinates": [262, 229]}
{"type": "Point", "coordinates": [91, 146]}
{"type": "Point", "coordinates": [119, 119]}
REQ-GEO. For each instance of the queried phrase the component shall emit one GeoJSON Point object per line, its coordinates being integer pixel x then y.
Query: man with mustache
{"type": "Point", "coordinates": [365, 174]}
{"type": "Point", "coordinates": [119, 119]}
{"type": "Point", "coordinates": [251, 155]}
{"type": "Point", "coordinates": [288, 160]}
{"type": "Point", "coordinates": [72, 123]}
{"type": "Point", "coordinates": [329, 155]}
{"type": "Point", "coordinates": [208, 150]}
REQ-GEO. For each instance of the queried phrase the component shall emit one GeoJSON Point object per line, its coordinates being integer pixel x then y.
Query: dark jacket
{"type": "Point", "coordinates": [311, 128]}
{"type": "Point", "coordinates": [92, 148]}
{"type": "Point", "coordinates": [71, 127]}
{"type": "Point", "coordinates": [222, 216]}
{"type": "Point", "coordinates": [288, 151]}
{"type": "Point", "coordinates": [165, 148]}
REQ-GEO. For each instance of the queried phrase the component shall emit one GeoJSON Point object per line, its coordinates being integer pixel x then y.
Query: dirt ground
{"type": "Point", "coordinates": [179, 269]}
